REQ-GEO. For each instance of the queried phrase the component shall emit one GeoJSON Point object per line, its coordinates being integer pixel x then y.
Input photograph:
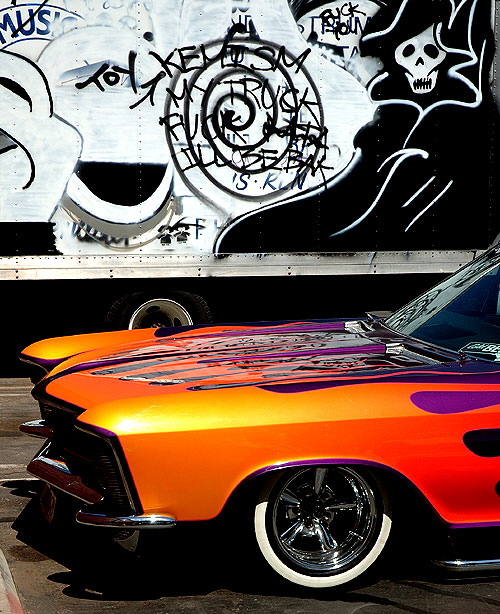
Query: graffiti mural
{"type": "Point", "coordinates": [217, 126]}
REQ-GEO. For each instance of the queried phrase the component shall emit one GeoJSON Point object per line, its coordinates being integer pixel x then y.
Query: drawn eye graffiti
{"type": "Point", "coordinates": [8, 142]}
{"type": "Point", "coordinates": [17, 89]}
{"type": "Point", "coordinates": [26, 109]}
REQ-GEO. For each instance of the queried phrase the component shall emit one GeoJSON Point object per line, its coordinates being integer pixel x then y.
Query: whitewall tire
{"type": "Point", "coordinates": [322, 527]}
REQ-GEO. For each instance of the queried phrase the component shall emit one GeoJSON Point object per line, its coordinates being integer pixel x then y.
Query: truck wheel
{"type": "Point", "coordinates": [162, 309]}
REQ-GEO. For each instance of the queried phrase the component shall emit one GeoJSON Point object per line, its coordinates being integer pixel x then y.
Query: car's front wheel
{"type": "Point", "coordinates": [322, 526]}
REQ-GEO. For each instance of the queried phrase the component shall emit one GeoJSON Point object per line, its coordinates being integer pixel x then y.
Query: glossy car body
{"type": "Point", "coordinates": [153, 427]}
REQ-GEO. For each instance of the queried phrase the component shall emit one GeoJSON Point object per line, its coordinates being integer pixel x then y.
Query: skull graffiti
{"type": "Point", "coordinates": [421, 56]}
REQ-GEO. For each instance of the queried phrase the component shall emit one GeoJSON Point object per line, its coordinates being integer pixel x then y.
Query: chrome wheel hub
{"type": "Point", "coordinates": [323, 518]}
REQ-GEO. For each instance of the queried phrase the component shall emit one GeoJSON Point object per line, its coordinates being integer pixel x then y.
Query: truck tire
{"type": "Point", "coordinates": [159, 309]}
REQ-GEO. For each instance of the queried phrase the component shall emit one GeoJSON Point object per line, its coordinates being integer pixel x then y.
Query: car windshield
{"type": "Point", "coordinates": [462, 313]}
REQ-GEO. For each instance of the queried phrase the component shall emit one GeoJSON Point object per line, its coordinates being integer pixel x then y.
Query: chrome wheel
{"type": "Point", "coordinates": [158, 309]}
{"type": "Point", "coordinates": [160, 312]}
{"type": "Point", "coordinates": [322, 526]}
{"type": "Point", "coordinates": [323, 519]}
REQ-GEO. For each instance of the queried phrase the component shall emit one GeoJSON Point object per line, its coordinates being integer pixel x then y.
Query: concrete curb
{"type": "Point", "coordinates": [9, 599]}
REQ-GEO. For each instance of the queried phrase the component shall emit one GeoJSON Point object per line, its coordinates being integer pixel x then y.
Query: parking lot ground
{"type": "Point", "coordinates": [62, 568]}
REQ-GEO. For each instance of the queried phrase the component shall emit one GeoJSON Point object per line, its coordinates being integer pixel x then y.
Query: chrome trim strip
{"type": "Point", "coordinates": [461, 565]}
{"type": "Point", "coordinates": [36, 428]}
{"type": "Point", "coordinates": [153, 521]}
{"type": "Point", "coordinates": [160, 266]}
{"type": "Point", "coordinates": [57, 474]}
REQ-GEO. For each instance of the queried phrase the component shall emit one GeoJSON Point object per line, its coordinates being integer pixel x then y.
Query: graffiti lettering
{"type": "Point", "coordinates": [130, 71]}
{"type": "Point", "coordinates": [94, 78]}
{"type": "Point", "coordinates": [176, 98]}
{"type": "Point", "coordinates": [85, 232]}
{"type": "Point", "coordinates": [32, 15]}
{"type": "Point", "coordinates": [245, 21]}
{"type": "Point", "coordinates": [342, 21]}
{"type": "Point", "coordinates": [39, 21]}
{"type": "Point", "coordinates": [111, 75]}
{"type": "Point", "coordinates": [298, 136]}
{"type": "Point", "coordinates": [188, 59]}
{"type": "Point", "coordinates": [196, 157]}
{"type": "Point", "coordinates": [184, 61]}
{"type": "Point", "coordinates": [346, 10]}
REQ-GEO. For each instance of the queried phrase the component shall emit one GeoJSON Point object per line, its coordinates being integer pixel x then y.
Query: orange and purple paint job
{"type": "Point", "coordinates": [153, 427]}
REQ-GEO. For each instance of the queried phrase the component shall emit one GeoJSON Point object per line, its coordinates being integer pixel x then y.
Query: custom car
{"type": "Point", "coordinates": [325, 425]}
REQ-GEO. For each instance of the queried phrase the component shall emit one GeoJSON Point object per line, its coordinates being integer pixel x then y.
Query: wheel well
{"type": "Point", "coordinates": [417, 534]}
{"type": "Point", "coordinates": [410, 506]}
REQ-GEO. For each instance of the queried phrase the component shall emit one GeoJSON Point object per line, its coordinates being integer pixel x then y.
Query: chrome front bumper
{"type": "Point", "coordinates": [56, 473]}
{"type": "Point", "coordinates": [152, 521]}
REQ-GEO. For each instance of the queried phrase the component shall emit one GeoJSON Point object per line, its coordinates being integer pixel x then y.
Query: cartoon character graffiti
{"type": "Point", "coordinates": [433, 131]}
{"type": "Point", "coordinates": [120, 190]}
{"type": "Point", "coordinates": [118, 184]}
{"type": "Point", "coordinates": [31, 188]}
{"type": "Point", "coordinates": [434, 80]}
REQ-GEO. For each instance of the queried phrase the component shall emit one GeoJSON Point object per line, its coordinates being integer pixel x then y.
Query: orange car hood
{"type": "Point", "coordinates": [214, 359]}
{"type": "Point", "coordinates": [303, 354]}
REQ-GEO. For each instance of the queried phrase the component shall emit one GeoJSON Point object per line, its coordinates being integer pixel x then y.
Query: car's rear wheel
{"type": "Point", "coordinates": [322, 526]}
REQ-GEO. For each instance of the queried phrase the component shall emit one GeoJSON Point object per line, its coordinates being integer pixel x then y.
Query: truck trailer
{"type": "Point", "coordinates": [166, 145]}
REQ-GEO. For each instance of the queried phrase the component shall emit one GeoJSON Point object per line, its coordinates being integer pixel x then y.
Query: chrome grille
{"type": "Point", "coordinates": [93, 459]}
{"type": "Point", "coordinates": [90, 456]}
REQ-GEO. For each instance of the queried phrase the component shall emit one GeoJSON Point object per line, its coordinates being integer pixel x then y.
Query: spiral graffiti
{"type": "Point", "coordinates": [244, 117]}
